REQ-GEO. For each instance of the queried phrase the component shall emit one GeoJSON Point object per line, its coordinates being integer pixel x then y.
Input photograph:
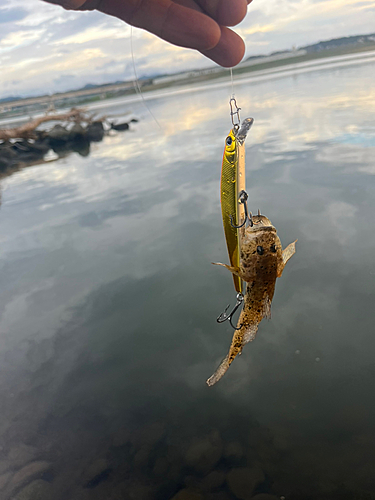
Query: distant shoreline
{"type": "Point", "coordinates": [245, 69]}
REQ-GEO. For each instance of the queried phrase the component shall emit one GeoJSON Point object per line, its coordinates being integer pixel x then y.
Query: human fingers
{"type": "Point", "coordinates": [229, 51]}
{"type": "Point", "coordinates": [225, 12]}
{"type": "Point", "coordinates": [170, 21]}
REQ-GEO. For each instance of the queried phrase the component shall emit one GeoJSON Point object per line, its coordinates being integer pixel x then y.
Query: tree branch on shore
{"type": "Point", "coordinates": [27, 130]}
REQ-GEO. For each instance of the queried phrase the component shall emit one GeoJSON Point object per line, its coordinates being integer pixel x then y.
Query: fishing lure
{"type": "Point", "coordinates": [232, 182]}
{"type": "Point", "coordinates": [262, 260]}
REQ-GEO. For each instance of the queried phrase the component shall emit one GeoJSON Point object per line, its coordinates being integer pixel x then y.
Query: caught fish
{"type": "Point", "coordinates": [262, 260]}
{"type": "Point", "coordinates": [232, 182]}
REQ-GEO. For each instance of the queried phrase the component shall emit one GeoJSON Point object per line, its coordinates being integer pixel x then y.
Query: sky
{"type": "Point", "coordinates": [45, 49]}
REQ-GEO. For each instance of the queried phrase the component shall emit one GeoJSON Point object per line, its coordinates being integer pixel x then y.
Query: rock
{"type": "Point", "coordinates": [95, 131]}
{"type": "Point", "coordinates": [188, 494]}
{"type": "Point", "coordinates": [37, 490]}
{"type": "Point", "coordinates": [204, 454]}
{"type": "Point", "coordinates": [76, 132]}
{"type": "Point", "coordinates": [140, 492]}
{"type": "Point", "coordinates": [242, 481]}
{"type": "Point", "coordinates": [160, 467]}
{"type": "Point", "coordinates": [265, 496]}
{"type": "Point", "coordinates": [4, 466]}
{"type": "Point", "coordinates": [97, 472]}
{"type": "Point", "coordinates": [81, 495]}
{"type": "Point", "coordinates": [120, 126]}
{"type": "Point", "coordinates": [57, 134]}
{"type": "Point", "coordinates": [233, 451]}
{"type": "Point", "coordinates": [34, 470]}
{"type": "Point", "coordinates": [149, 435]}
{"type": "Point", "coordinates": [220, 495]}
{"type": "Point", "coordinates": [191, 482]}
{"type": "Point", "coordinates": [95, 468]}
{"type": "Point", "coordinates": [4, 478]}
{"type": "Point", "coordinates": [8, 157]}
{"type": "Point", "coordinates": [80, 146]}
{"type": "Point", "coordinates": [142, 456]}
{"type": "Point", "coordinates": [122, 436]}
{"type": "Point", "coordinates": [212, 481]}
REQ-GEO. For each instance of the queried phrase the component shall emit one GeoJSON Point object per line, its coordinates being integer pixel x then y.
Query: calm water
{"type": "Point", "coordinates": [109, 302]}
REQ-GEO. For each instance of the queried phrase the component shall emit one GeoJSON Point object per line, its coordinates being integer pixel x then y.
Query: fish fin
{"type": "Point", "coordinates": [233, 270]}
{"type": "Point", "coordinates": [267, 308]}
{"type": "Point", "coordinates": [220, 371]}
{"type": "Point", "coordinates": [288, 252]}
{"type": "Point", "coordinates": [250, 334]}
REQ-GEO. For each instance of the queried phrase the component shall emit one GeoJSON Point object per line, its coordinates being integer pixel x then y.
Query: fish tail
{"type": "Point", "coordinates": [222, 368]}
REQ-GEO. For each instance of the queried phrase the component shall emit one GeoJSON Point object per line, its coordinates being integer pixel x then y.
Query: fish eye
{"type": "Point", "coordinates": [228, 140]}
{"type": "Point", "coordinates": [260, 250]}
{"type": "Point", "coordinates": [273, 248]}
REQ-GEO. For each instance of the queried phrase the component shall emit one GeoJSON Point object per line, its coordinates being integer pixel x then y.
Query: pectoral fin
{"type": "Point", "coordinates": [233, 270]}
{"type": "Point", "coordinates": [288, 252]}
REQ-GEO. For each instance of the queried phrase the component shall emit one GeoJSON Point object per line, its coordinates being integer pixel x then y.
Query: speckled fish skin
{"type": "Point", "coordinates": [262, 260]}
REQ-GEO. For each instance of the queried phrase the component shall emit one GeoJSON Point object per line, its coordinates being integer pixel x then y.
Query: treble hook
{"type": "Point", "coordinates": [234, 110]}
{"type": "Point", "coordinates": [224, 317]}
{"type": "Point", "coordinates": [248, 215]}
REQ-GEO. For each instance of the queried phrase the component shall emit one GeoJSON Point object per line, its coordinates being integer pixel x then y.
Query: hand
{"type": "Point", "coordinates": [195, 24]}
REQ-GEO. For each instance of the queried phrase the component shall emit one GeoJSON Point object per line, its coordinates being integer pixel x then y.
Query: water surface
{"type": "Point", "coordinates": [108, 304]}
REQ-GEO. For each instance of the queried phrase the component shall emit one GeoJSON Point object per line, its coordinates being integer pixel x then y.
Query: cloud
{"type": "Point", "coordinates": [11, 15]}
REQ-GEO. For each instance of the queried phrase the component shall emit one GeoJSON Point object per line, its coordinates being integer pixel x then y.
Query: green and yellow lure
{"type": "Point", "coordinates": [232, 183]}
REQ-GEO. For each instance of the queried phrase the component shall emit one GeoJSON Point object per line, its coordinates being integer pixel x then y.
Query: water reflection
{"type": "Point", "coordinates": [108, 304]}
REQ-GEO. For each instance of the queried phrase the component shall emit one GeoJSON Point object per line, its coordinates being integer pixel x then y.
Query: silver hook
{"type": "Point", "coordinates": [248, 215]}
{"type": "Point", "coordinates": [224, 317]}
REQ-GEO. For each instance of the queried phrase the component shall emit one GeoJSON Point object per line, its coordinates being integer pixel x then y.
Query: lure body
{"type": "Point", "coordinates": [262, 261]}
{"type": "Point", "coordinates": [229, 203]}
{"type": "Point", "coordinates": [232, 182]}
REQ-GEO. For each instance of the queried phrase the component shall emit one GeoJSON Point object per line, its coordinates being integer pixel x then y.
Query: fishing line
{"type": "Point", "coordinates": [231, 79]}
{"type": "Point", "coordinates": [136, 82]}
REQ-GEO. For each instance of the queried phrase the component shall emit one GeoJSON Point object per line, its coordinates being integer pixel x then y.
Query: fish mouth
{"type": "Point", "coordinates": [255, 228]}
{"type": "Point", "coordinates": [261, 222]}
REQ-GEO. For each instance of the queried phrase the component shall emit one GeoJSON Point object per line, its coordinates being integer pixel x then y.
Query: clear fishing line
{"type": "Point", "coordinates": [231, 80]}
{"type": "Point", "coordinates": [136, 83]}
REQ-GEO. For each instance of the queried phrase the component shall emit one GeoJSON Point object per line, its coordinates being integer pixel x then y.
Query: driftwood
{"type": "Point", "coordinates": [74, 132]}
{"type": "Point", "coordinates": [27, 131]}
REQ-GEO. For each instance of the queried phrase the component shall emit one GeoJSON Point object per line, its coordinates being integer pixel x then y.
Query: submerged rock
{"type": "Point", "coordinates": [37, 490]}
{"type": "Point", "coordinates": [204, 454]}
{"type": "Point", "coordinates": [233, 451]}
{"type": "Point", "coordinates": [97, 472]}
{"type": "Point", "coordinates": [188, 494]}
{"type": "Point", "coordinates": [4, 479]}
{"type": "Point", "coordinates": [142, 457]}
{"type": "Point", "coordinates": [122, 436]}
{"type": "Point", "coordinates": [243, 481]}
{"type": "Point", "coordinates": [34, 470]}
{"type": "Point", "coordinates": [161, 467]}
{"type": "Point", "coordinates": [212, 481]}
{"type": "Point", "coordinates": [264, 496]}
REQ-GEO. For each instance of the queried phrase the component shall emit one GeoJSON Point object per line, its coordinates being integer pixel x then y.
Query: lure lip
{"type": "Point", "coordinates": [243, 130]}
